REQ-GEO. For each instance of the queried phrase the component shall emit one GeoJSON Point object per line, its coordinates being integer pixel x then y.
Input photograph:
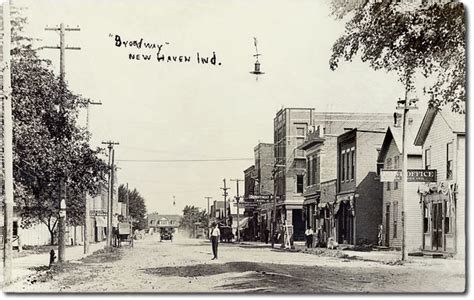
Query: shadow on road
{"type": "Point", "coordinates": [276, 278]}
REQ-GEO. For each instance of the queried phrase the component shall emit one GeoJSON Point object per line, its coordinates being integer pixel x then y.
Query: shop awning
{"type": "Point", "coordinates": [244, 223]}
{"type": "Point", "coordinates": [100, 221]}
{"type": "Point", "coordinates": [310, 201]}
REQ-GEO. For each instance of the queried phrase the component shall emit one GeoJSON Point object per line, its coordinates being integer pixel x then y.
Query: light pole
{"type": "Point", "coordinates": [273, 231]}
{"type": "Point", "coordinates": [406, 105]}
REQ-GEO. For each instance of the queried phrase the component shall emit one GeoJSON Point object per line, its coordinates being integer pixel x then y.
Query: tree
{"type": "Point", "coordinates": [192, 215]}
{"type": "Point", "coordinates": [48, 144]}
{"type": "Point", "coordinates": [137, 207]}
{"type": "Point", "coordinates": [408, 39]}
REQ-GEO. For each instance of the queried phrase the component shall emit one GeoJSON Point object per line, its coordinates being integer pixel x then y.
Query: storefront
{"type": "Point", "coordinates": [438, 204]}
{"type": "Point", "coordinates": [344, 213]}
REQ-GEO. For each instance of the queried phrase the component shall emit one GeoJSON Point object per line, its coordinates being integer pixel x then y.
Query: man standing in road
{"type": "Point", "coordinates": [309, 237]}
{"type": "Point", "coordinates": [215, 235]}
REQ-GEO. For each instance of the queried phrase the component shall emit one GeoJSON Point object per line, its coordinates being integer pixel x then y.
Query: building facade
{"type": "Point", "coordinates": [291, 126]}
{"type": "Point", "coordinates": [358, 207]}
{"type": "Point", "coordinates": [442, 138]}
{"type": "Point", "coordinates": [391, 158]}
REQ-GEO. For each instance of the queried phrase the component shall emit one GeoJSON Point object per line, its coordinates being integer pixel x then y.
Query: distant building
{"type": "Point", "coordinates": [156, 220]}
{"type": "Point", "coordinates": [442, 136]}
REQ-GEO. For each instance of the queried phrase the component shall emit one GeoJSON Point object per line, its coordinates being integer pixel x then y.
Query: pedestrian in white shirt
{"type": "Point", "coordinates": [215, 235]}
{"type": "Point", "coordinates": [309, 237]}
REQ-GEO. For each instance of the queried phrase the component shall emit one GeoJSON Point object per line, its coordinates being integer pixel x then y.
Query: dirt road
{"type": "Point", "coordinates": [185, 265]}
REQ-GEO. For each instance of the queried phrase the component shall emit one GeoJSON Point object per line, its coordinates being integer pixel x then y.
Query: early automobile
{"type": "Point", "coordinates": [166, 233]}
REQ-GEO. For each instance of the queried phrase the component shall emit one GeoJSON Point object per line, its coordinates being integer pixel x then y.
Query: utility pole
{"type": "Point", "coordinates": [62, 74]}
{"type": "Point", "coordinates": [110, 146]}
{"type": "Point", "coordinates": [238, 216]}
{"type": "Point", "coordinates": [273, 224]}
{"type": "Point", "coordinates": [225, 188]}
{"type": "Point", "coordinates": [209, 214]}
{"type": "Point", "coordinates": [87, 217]}
{"type": "Point", "coordinates": [406, 105]}
{"type": "Point", "coordinates": [128, 202]}
{"type": "Point", "coordinates": [62, 221]}
{"type": "Point", "coordinates": [8, 146]}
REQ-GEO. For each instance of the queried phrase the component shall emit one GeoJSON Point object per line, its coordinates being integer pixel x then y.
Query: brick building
{"type": "Point", "coordinates": [391, 158]}
{"type": "Point", "coordinates": [442, 136]}
{"type": "Point", "coordinates": [290, 129]}
{"type": "Point", "coordinates": [358, 207]}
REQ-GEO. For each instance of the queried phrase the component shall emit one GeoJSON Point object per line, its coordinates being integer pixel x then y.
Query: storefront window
{"type": "Point", "coordinates": [395, 218]}
{"type": "Point", "coordinates": [449, 159]}
{"type": "Point", "coordinates": [448, 228]}
{"type": "Point", "coordinates": [425, 219]}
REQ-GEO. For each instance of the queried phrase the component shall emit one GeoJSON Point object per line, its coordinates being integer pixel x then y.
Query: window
{"type": "Point", "coordinates": [395, 218]}
{"type": "Point", "coordinates": [300, 131]}
{"type": "Point", "coordinates": [343, 165]}
{"type": "Point", "coordinates": [15, 228]}
{"type": "Point", "coordinates": [388, 165]}
{"type": "Point", "coordinates": [353, 163]}
{"type": "Point", "coordinates": [448, 228]}
{"type": "Point", "coordinates": [348, 164]}
{"type": "Point", "coordinates": [317, 170]}
{"type": "Point", "coordinates": [425, 218]}
{"type": "Point", "coordinates": [449, 161]}
{"type": "Point", "coordinates": [299, 184]}
{"type": "Point", "coordinates": [397, 167]}
{"type": "Point", "coordinates": [427, 159]}
{"type": "Point", "coordinates": [299, 142]}
{"type": "Point", "coordinates": [308, 170]}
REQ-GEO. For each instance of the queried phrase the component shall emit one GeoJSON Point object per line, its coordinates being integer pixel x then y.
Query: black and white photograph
{"type": "Point", "coordinates": [310, 147]}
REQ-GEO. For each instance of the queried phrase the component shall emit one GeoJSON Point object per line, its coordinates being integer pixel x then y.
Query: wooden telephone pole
{"type": "Point", "coordinates": [405, 104]}
{"type": "Point", "coordinates": [62, 74]}
{"type": "Point", "coordinates": [7, 146]}
{"type": "Point", "coordinates": [110, 146]}
{"type": "Point", "coordinates": [87, 218]}
{"type": "Point", "coordinates": [225, 188]}
{"type": "Point", "coordinates": [238, 199]}
{"type": "Point", "coordinates": [208, 213]}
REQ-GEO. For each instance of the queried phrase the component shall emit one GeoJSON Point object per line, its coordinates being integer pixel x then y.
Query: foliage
{"type": "Point", "coordinates": [191, 215]}
{"type": "Point", "coordinates": [48, 144]}
{"type": "Point", "coordinates": [408, 39]}
{"type": "Point", "coordinates": [137, 207]}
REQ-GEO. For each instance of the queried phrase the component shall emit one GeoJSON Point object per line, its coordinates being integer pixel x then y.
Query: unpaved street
{"type": "Point", "coordinates": [185, 265]}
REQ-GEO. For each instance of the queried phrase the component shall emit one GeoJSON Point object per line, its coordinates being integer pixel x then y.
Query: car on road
{"type": "Point", "coordinates": [166, 233]}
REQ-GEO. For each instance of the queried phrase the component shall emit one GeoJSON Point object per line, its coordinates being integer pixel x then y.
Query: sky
{"type": "Point", "coordinates": [175, 111]}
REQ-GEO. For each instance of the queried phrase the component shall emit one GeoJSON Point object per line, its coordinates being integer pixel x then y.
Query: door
{"type": "Point", "coordinates": [437, 225]}
{"type": "Point", "coordinates": [387, 225]}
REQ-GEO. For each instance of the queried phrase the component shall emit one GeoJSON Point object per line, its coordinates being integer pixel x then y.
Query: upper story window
{"type": "Point", "coordinates": [427, 159]}
{"type": "Point", "coordinates": [388, 166]}
{"type": "Point", "coordinates": [449, 161]}
{"type": "Point", "coordinates": [299, 142]}
{"type": "Point", "coordinates": [299, 184]}
{"type": "Point", "coordinates": [397, 167]}
{"type": "Point", "coordinates": [317, 170]}
{"type": "Point", "coordinates": [343, 165]}
{"type": "Point", "coordinates": [353, 157]}
{"type": "Point", "coordinates": [300, 131]}
{"type": "Point", "coordinates": [309, 170]}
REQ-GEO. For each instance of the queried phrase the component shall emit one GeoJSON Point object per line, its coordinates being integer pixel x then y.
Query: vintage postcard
{"type": "Point", "coordinates": [282, 147]}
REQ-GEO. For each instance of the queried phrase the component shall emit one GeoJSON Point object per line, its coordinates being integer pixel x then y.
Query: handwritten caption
{"type": "Point", "coordinates": [162, 53]}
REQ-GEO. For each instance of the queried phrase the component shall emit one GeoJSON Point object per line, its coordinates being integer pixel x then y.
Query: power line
{"type": "Point", "coordinates": [186, 160]}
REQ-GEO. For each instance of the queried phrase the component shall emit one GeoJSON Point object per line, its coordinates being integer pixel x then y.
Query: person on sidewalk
{"type": "Point", "coordinates": [309, 237]}
{"type": "Point", "coordinates": [215, 235]}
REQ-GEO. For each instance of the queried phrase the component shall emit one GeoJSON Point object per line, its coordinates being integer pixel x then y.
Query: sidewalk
{"type": "Point", "coordinates": [23, 266]}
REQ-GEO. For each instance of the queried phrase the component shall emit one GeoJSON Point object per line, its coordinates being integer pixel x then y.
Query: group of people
{"type": "Point", "coordinates": [320, 237]}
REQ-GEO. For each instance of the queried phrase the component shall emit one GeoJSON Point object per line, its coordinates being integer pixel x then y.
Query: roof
{"type": "Point", "coordinates": [156, 216]}
{"type": "Point", "coordinates": [396, 133]}
{"type": "Point", "coordinates": [455, 121]}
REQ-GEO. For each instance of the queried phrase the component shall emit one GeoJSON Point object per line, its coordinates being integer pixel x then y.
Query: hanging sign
{"type": "Point", "coordinates": [414, 175]}
{"type": "Point", "coordinates": [390, 175]}
{"type": "Point", "coordinates": [420, 175]}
